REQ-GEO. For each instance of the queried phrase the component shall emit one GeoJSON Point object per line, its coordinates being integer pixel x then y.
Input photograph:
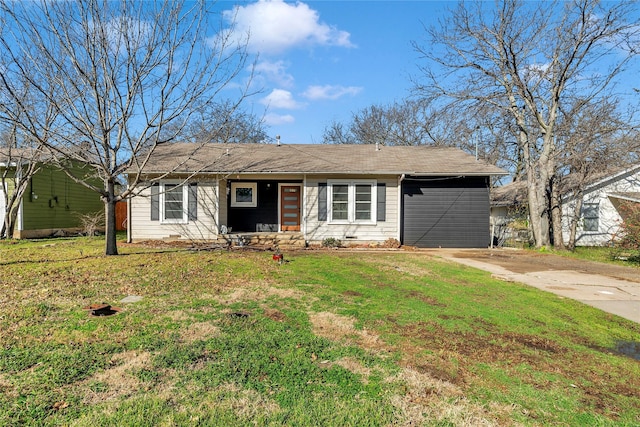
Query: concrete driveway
{"type": "Point", "coordinates": [614, 289]}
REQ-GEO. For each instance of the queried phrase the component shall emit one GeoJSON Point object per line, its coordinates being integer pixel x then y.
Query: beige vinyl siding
{"type": "Point", "coordinates": [316, 231]}
{"type": "Point", "coordinates": [204, 228]}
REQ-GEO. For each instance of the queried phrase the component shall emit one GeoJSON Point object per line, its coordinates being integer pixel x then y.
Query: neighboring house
{"type": "Point", "coordinates": [359, 194]}
{"type": "Point", "coordinates": [509, 216]}
{"type": "Point", "coordinates": [600, 216]}
{"type": "Point", "coordinates": [52, 203]}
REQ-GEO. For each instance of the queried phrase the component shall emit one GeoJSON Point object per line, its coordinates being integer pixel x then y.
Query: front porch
{"type": "Point", "coordinates": [259, 206]}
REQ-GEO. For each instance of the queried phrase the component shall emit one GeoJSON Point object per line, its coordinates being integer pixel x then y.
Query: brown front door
{"type": "Point", "coordinates": [290, 208]}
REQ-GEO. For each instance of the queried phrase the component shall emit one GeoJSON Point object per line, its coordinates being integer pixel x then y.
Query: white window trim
{"type": "Point", "coordinates": [351, 206]}
{"type": "Point", "coordinates": [185, 203]}
{"type": "Point", "coordinates": [254, 191]}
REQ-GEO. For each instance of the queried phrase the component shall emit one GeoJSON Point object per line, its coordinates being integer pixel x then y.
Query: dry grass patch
{"type": "Point", "coordinates": [341, 328]}
{"type": "Point", "coordinates": [6, 387]}
{"type": "Point", "coordinates": [406, 266]}
{"type": "Point", "coordinates": [119, 379]}
{"type": "Point", "coordinates": [426, 397]}
{"type": "Point", "coordinates": [433, 400]}
{"type": "Point", "coordinates": [199, 331]}
{"type": "Point", "coordinates": [259, 293]}
{"type": "Point", "coordinates": [244, 403]}
{"type": "Point", "coordinates": [353, 365]}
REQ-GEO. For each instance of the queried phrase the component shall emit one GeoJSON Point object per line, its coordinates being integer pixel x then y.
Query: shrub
{"type": "Point", "coordinates": [629, 235]}
{"type": "Point", "coordinates": [91, 222]}
{"type": "Point", "coordinates": [331, 242]}
{"type": "Point", "coordinates": [391, 243]}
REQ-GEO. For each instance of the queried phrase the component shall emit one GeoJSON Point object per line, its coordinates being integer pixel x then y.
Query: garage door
{"type": "Point", "coordinates": [445, 212]}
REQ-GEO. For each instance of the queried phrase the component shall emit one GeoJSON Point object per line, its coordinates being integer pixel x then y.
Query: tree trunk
{"type": "Point", "coordinates": [556, 215]}
{"type": "Point", "coordinates": [111, 246]}
{"type": "Point", "coordinates": [571, 244]}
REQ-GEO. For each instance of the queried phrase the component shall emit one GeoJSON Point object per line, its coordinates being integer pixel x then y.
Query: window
{"type": "Point", "coordinates": [363, 202]}
{"type": "Point", "coordinates": [173, 202]}
{"type": "Point", "coordinates": [351, 201]}
{"type": "Point", "coordinates": [340, 202]}
{"type": "Point", "coordinates": [244, 194]}
{"type": "Point", "coordinates": [590, 216]}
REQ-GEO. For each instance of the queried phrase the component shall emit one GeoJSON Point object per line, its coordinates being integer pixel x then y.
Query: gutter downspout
{"type": "Point", "coordinates": [129, 237]}
{"type": "Point", "coordinates": [129, 228]}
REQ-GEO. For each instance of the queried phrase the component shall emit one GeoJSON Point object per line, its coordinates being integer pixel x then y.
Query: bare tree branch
{"type": "Point", "coordinates": [120, 78]}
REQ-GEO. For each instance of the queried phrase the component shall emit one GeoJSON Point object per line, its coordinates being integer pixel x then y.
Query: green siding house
{"type": "Point", "coordinates": [51, 205]}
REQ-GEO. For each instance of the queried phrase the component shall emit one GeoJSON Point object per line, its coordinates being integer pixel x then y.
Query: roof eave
{"type": "Point", "coordinates": [325, 172]}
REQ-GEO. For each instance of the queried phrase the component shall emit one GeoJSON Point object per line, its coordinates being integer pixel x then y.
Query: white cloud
{"type": "Point", "coordinates": [273, 119]}
{"type": "Point", "coordinates": [330, 91]}
{"type": "Point", "coordinates": [275, 72]}
{"type": "Point", "coordinates": [275, 26]}
{"type": "Point", "coordinates": [280, 98]}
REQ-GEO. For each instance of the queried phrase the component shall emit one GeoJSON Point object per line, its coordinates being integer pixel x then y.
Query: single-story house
{"type": "Point", "coordinates": [52, 203]}
{"type": "Point", "coordinates": [358, 194]}
{"type": "Point", "coordinates": [600, 216]}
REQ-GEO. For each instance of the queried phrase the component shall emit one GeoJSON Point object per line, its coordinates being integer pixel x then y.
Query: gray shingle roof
{"type": "Point", "coordinates": [314, 159]}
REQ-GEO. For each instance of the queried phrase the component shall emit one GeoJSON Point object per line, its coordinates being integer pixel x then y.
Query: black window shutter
{"type": "Point", "coordinates": [155, 202]}
{"type": "Point", "coordinates": [322, 201]}
{"type": "Point", "coordinates": [193, 202]}
{"type": "Point", "coordinates": [382, 202]}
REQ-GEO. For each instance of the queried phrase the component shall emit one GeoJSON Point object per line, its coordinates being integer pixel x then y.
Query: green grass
{"type": "Point", "coordinates": [328, 338]}
{"type": "Point", "coordinates": [603, 254]}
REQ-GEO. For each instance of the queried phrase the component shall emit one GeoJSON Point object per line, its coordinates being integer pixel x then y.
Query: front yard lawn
{"type": "Point", "coordinates": [331, 338]}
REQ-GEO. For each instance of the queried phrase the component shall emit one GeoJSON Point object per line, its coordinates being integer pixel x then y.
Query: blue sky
{"type": "Point", "coordinates": [321, 61]}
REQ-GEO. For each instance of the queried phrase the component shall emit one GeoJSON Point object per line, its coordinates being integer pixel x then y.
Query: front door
{"type": "Point", "coordinates": [290, 207]}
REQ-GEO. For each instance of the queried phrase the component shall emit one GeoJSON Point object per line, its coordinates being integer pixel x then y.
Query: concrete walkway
{"type": "Point", "coordinates": [620, 297]}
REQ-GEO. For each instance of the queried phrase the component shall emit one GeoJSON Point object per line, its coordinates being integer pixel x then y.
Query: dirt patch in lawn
{"type": "Point", "coordinates": [257, 294]}
{"type": "Point", "coordinates": [424, 396]}
{"type": "Point", "coordinates": [453, 356]}
{"type": "Point", "coordinates": [521, 261]}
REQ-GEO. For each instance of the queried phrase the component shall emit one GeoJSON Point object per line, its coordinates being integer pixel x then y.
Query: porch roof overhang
{"type": "Point", "coordinates": [628, 196]}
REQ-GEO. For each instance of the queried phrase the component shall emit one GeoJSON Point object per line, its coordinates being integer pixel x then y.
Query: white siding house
{"type": "Point", "coordinates": [353, 193]}
{"type": "Point", "coordinates": [600, 216]}
{"type": "Point", "coordinates": [598, 219]}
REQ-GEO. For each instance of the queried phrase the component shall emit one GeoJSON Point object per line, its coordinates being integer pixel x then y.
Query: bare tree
{"type": "Point", "coordinates": [597, 140]}
{"type": "Point", "coordinates": [223, 122]}
{"type": "Point", "coordinates": [527, 59]}
{"type": "Point", "coordinates": [416, 122]}
{"type": "Point", "coordinates": [117, 74]}
{"type": "Point", "coordinates": [18, 163]}
{"type": "Point", "coordinates": [21, 154]}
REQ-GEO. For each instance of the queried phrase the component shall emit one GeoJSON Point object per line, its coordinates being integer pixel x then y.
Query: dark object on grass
{"type": "Point", "coordinates": [239, 314]}
{"type": "Point", "coordinates": [103, 309]}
